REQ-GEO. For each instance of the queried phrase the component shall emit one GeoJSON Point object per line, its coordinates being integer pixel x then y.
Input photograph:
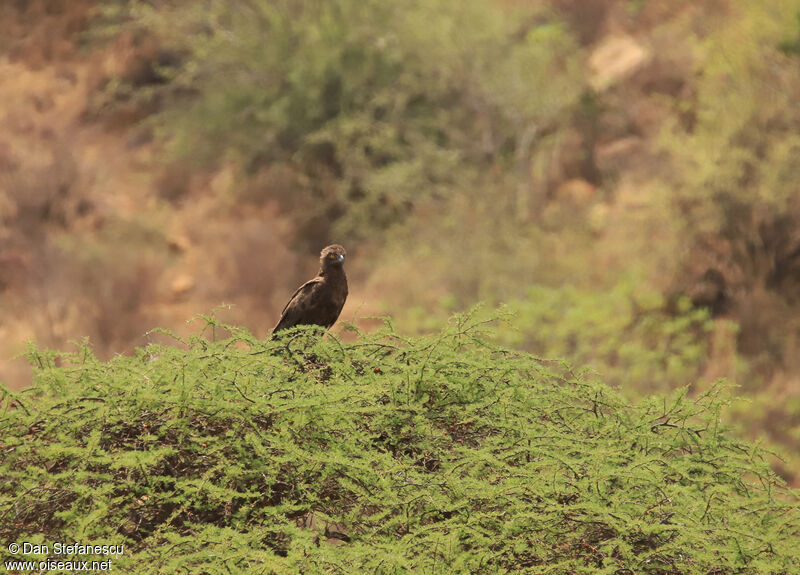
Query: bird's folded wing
{"type": "Point", "coordinates": [297, 304]}
{"type": "Point", "coordinates": [302, 291]}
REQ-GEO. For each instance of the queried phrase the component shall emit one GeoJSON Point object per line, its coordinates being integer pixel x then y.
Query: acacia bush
{"type": "Point", "coordinates": [386, 454]}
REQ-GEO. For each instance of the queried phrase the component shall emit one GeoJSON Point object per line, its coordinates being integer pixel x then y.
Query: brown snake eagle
{"type": "Point", "coordinates": [319, 301]}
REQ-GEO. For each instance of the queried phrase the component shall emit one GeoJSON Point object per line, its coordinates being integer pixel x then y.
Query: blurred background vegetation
{"type": "Point", "coordinates": [622, 175]}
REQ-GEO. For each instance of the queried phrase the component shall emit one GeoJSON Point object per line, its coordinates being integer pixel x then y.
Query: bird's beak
{"type": "Point", "coordinates": [339, 258]}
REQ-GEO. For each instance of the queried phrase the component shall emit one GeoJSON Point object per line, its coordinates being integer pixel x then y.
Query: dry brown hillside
{"type": "Point", "coordinates": [95, 241]}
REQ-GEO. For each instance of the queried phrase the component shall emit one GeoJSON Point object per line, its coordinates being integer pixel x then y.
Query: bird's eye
{"type": "Point", "coordinates": [331, 256]}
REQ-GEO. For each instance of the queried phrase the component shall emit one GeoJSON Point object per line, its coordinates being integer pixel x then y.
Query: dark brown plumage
{"type": "Point", "coordinates": [319, 301]}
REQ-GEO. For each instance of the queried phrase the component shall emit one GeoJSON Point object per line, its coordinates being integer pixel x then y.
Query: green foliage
{"type": "Point", "coordinates": [388, 455]}
{"type": "Point", "coordinates": [626, 333]}
{"type": "Point", "coordinates": [733, 191]}
{"type": "Point", "coordinates": [374, 105]}
{"type": "Point", "coordinates": [734, 166]}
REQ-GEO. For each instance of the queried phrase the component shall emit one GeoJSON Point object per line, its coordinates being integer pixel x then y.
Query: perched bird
{"type": "Point", "coordinates": [319, 301]}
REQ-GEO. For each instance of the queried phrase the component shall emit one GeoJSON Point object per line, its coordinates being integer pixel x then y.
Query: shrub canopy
{"type": "Point", "coordinates": [386, 454]}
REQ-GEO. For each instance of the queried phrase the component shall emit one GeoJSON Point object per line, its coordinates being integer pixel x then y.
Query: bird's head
{"type": "Point", "coordinates": [332, 256]}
